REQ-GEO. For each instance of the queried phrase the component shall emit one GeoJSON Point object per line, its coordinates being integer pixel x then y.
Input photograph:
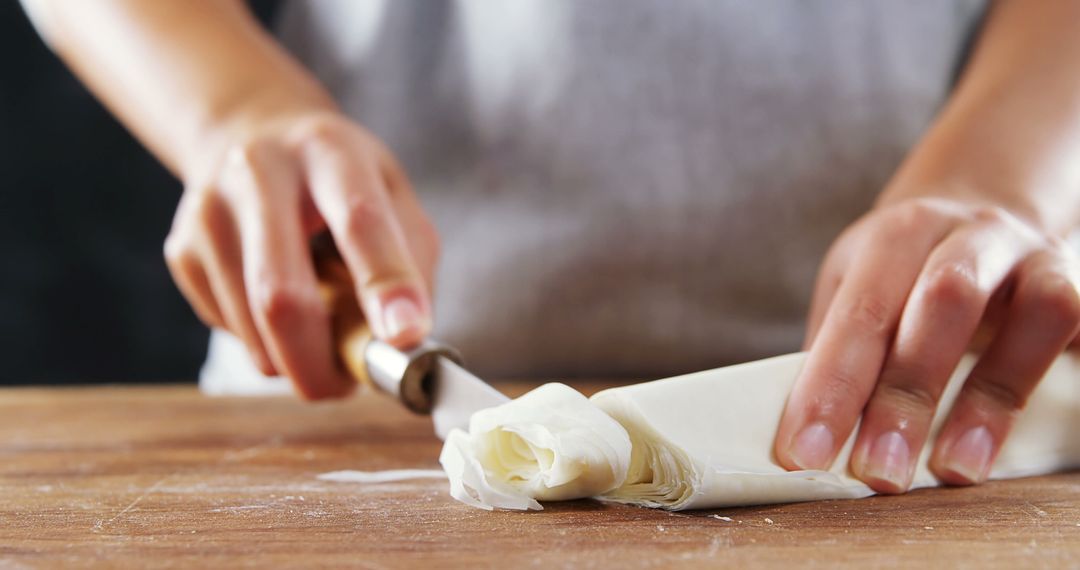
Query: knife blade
{"type": "Point", "coordinates": [457, 395]}
{"type": "Point", "coordinates": [427, 379]}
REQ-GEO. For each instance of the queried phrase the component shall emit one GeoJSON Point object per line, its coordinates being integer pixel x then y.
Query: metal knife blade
{"type": "Point", "coordinates": [457, 395]}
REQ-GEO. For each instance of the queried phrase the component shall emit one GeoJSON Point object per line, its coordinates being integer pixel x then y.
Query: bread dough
{"type": "Point", "coordinates": [551, 444]}
{"type": "Point", "coordinates": [705, 440]}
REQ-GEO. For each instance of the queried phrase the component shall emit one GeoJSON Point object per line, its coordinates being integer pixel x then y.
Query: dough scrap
{"type": "Point", "coordinates": [704, 440]}
{"type": "Point", "coordinates": [388, 476]}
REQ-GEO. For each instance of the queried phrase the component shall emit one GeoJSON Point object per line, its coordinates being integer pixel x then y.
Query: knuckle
{"type": "Point", "coordinates": [849, 235]}
{"type": "Point", "coordinates": [993, 214]}
{"type": "Point", "coordinates": [1059, 246]}
{"type": "Point", "coordinates": [871, 313]}
{"type": "Point", "coordinates": [326, 130]}
{"type": "Point", "coordinates": [840, 385]}
{"type": "Point", "coordinates": [179, 253]}
{"type": "Point", "coordinates": [1001, 219]}
{"type": "Point", "coordinates": [250, 154]}
{"type": "Point", "coordinates": [953, 284]}
{"type": "Point", "coordinates": [281, 304]}
{"type": "Point", "coordinates": [1000, 394]}
{"type": "Point", "coordinates": [247, 168]}
{"type": "Point", "coordinates": [909, 396]}
{"type": "Point", "coordinates": [910, 216]}
{"type": "Point", "coordinates": [1056, 297]}
{"type": "Point", "coordinates": [364, 214]}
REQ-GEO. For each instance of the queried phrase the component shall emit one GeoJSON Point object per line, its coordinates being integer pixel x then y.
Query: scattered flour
{"type": "Point", "coordinates": [382, 476]}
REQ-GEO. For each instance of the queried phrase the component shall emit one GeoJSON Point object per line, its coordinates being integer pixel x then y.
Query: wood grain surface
{"type": "Point", "coordinates": [163, 477]}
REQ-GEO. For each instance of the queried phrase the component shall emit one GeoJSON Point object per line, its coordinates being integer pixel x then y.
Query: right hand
{"type": "Point", "coordinates": [239, 245]}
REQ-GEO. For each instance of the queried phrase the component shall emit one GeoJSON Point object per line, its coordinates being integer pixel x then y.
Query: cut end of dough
{"type": "Point", "coordinates": [551, 444]}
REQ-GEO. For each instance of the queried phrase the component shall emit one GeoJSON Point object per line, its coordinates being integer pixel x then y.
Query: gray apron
{"type": "Point", "coordinates": [635, 188]}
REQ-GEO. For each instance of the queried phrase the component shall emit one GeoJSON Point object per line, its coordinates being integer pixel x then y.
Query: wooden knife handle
{"type": "Point", "coordinates": [406, 374]}
{"type": "Point", "coordinates": [351, 333]}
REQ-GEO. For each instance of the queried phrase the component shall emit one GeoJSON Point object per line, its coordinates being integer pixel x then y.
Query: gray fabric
{"type": "Point", "coordinates": [635, 187]}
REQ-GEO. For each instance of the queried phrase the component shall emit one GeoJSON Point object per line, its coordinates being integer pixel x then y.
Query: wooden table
{"type": "Point", "coordinates": [161, 476]}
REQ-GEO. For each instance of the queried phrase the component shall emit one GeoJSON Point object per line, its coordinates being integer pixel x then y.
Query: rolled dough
{"type": "Point", "coordinates": [705, 440]}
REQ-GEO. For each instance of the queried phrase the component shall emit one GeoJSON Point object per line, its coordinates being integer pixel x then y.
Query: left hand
{"type": "Point", "coordinates": [899, 299]}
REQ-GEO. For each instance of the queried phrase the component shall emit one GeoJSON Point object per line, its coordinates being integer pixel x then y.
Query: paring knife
{"type": "Point", "coordinates": [427, 379]}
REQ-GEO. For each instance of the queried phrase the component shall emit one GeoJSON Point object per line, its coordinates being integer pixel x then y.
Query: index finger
{"type": "Point", "coordinates": [850, 348]}
{"type": "Point", "coordinates": [353, 198]}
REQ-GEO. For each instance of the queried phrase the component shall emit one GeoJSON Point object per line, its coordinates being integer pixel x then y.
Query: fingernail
{"type": "Point", "coordinates": [889, 461]}
{"type": "Point", "coordinates": [813, 447]}
{"type": "Point", "coordinates": [400, 315]}
{"type": "Point", "coordinates": [970, 455]}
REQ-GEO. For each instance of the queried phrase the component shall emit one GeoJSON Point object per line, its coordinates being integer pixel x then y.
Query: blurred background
{"type": "Point", "coordinates": [84, 295]}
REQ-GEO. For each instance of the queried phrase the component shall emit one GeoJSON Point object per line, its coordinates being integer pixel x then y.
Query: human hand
{"type": "Point", "coordinates": [239, 244]}
{"type": "Point", "coordinates": [899, 299]}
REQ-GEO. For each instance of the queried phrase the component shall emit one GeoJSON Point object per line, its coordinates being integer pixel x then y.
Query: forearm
{"type": "Point", "coordinates": [177, 71]}
{"type": "Point", "coordinates": [1010, 135]}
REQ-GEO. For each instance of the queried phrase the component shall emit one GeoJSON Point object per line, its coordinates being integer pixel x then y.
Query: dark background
{"type": "Point", "coordinates": [84, 292]}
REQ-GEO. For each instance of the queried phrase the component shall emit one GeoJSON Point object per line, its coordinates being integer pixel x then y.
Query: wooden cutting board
{"type": "Point", "coordinates": [161, 476]}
